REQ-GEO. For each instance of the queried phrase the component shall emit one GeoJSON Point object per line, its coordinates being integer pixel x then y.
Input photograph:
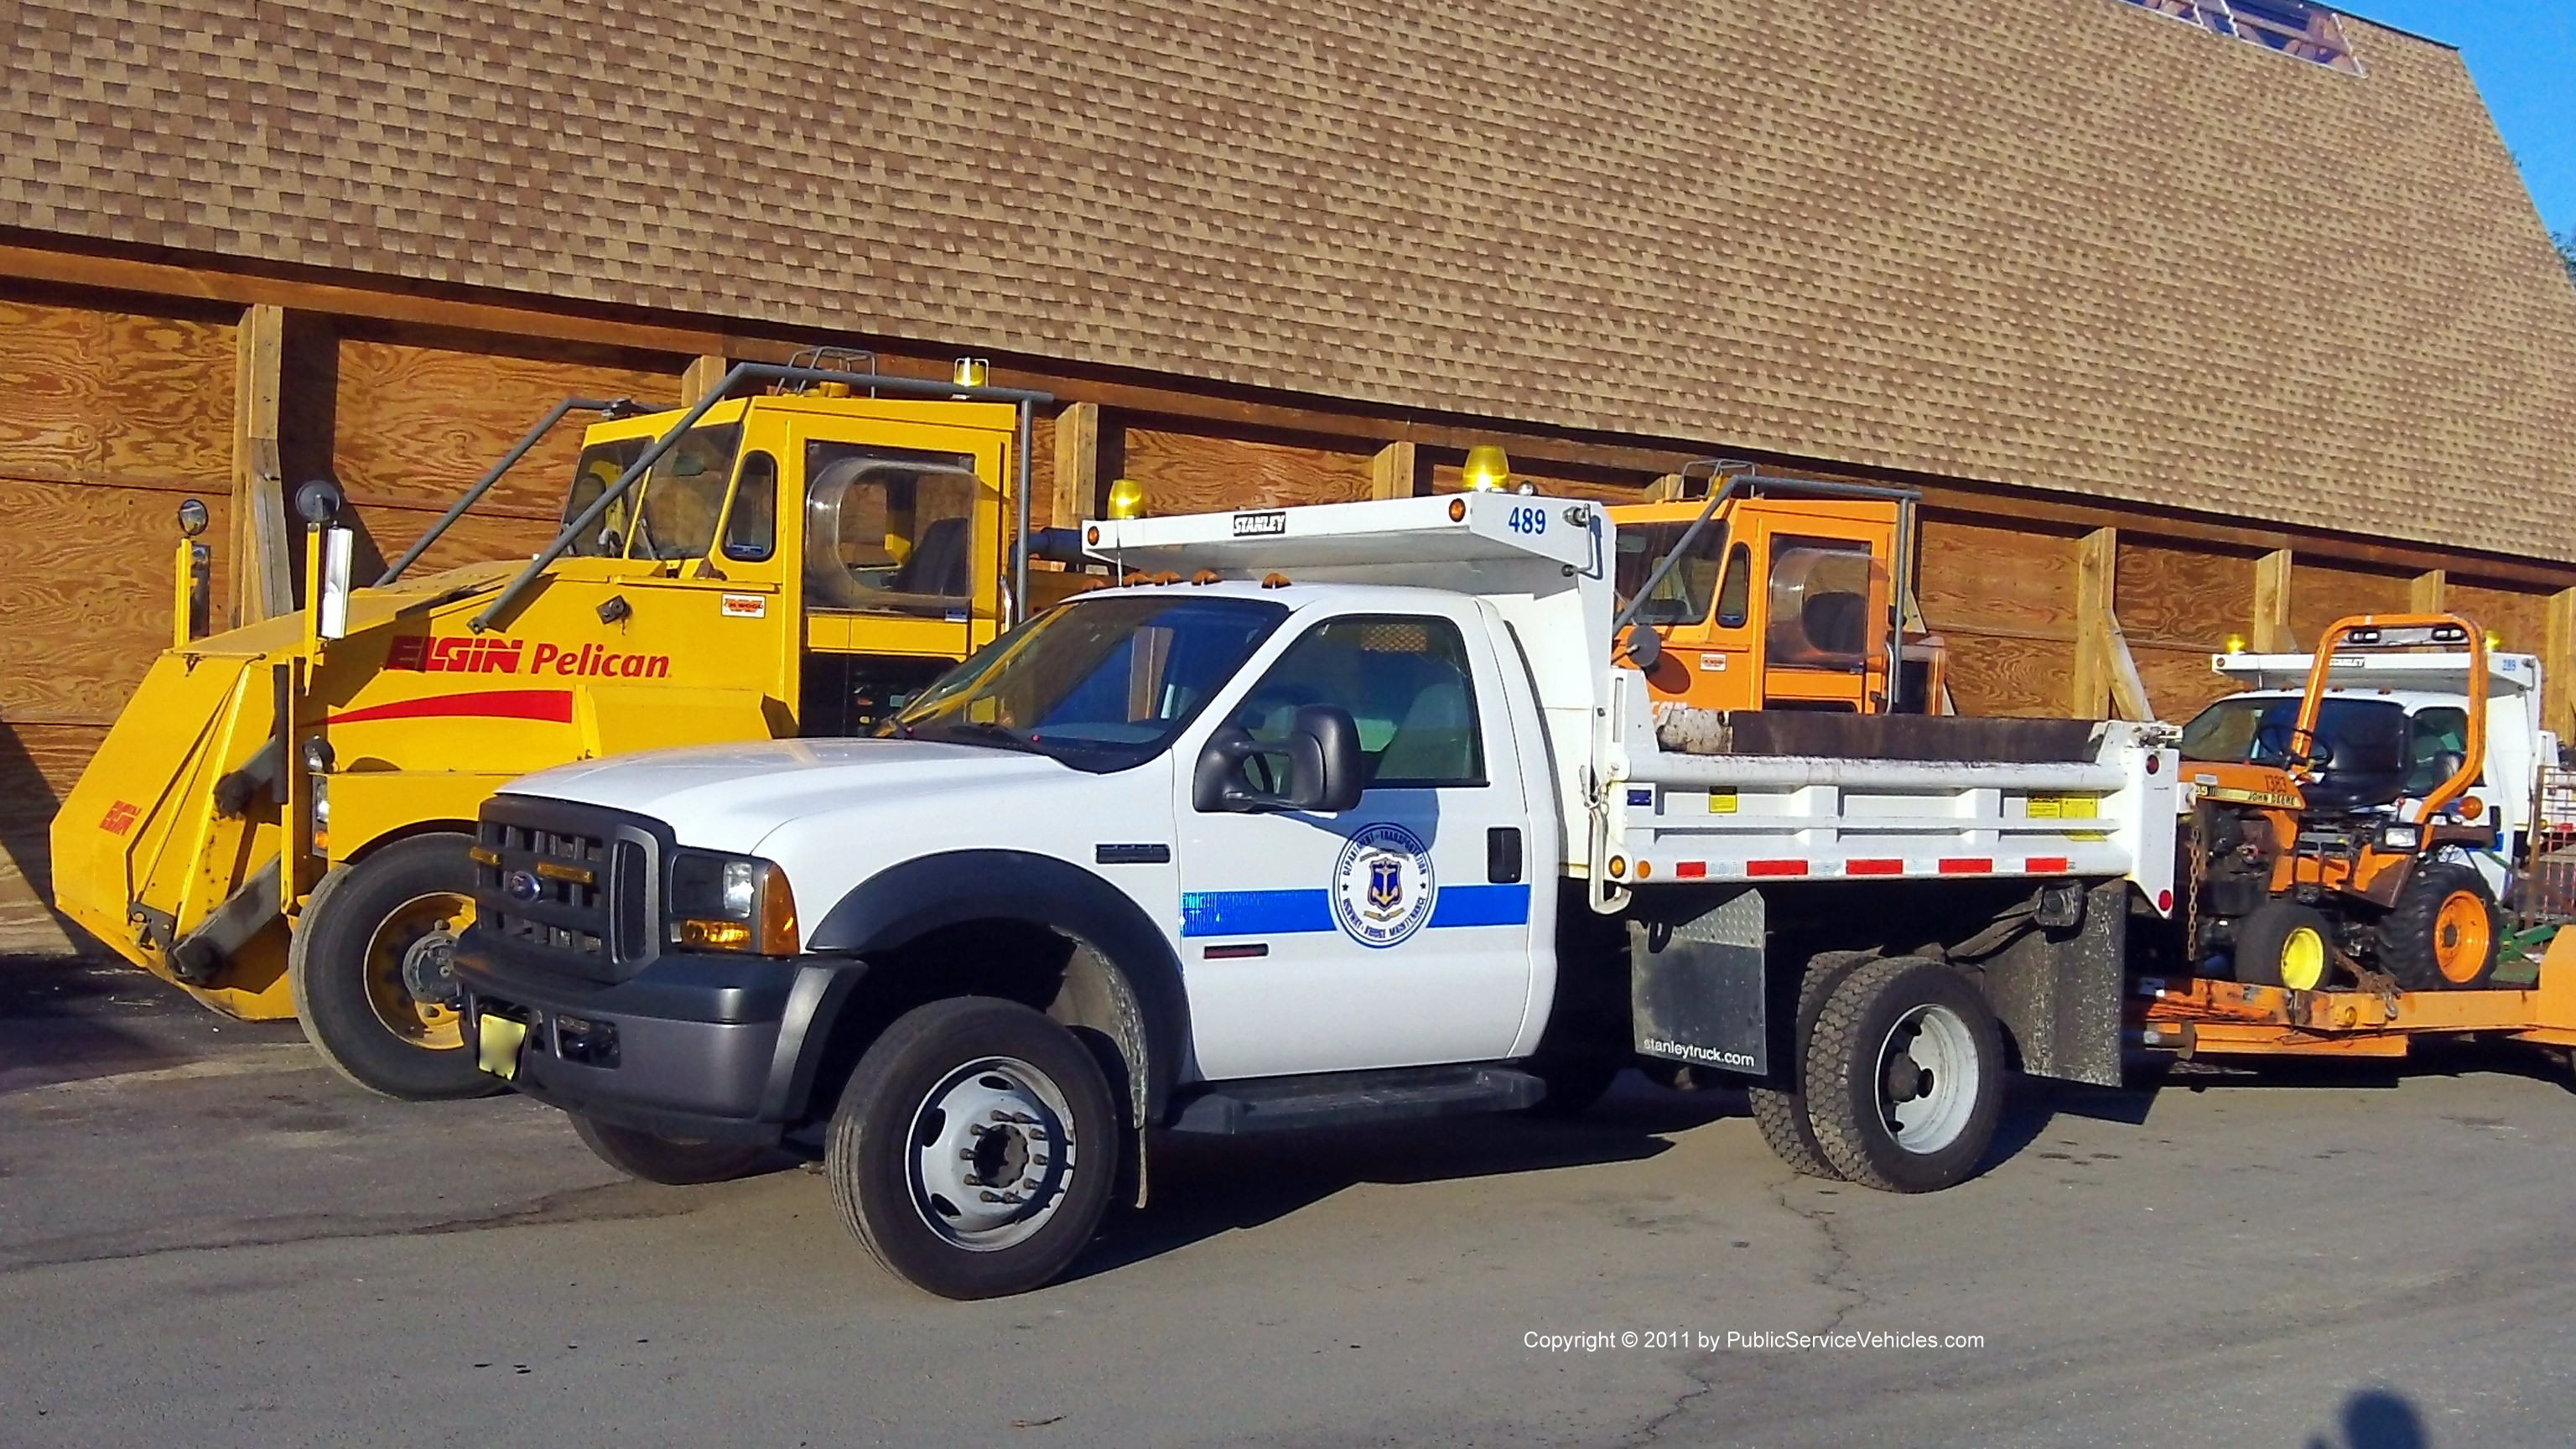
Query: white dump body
{"type": "Point", "coordinates": [1674, 816]}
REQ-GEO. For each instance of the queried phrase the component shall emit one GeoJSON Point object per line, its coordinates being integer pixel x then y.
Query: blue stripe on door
{"type": "Point", "coordinates": [1289, 913]}
{"type": "Point", "coordinates": [1480, 905]}
{"type": "Point", "coordinates": [1255, 913]}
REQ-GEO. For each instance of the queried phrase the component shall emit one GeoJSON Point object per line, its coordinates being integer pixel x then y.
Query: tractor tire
{"type": "Point", "coordinates": [1780, 1113]}
{"type": "Point", "coordinates": [665, 1160]}
{"type": "Point", "coordinates": [2442, 933]}
{"type": "Point", "coordinates": [1905, 1076]}
{"type": "Point", "coordinates": [2283, 943]}
{"type": "Point", "coordinates": [975, 1148]}
{"type": "Point", "coordinates": [368, 966]}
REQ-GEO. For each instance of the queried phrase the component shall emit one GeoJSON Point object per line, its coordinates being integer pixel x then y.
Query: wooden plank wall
{"type": "Point", "coordinates": [415, 425]}
{"type": "Point", "coordinates": [109, 416]}
{"type": "Point", "coordinates": [114, 407]}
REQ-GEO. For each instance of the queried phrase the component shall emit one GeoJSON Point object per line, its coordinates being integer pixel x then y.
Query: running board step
{"type": "Point", "coordinates": [1345, 1099]}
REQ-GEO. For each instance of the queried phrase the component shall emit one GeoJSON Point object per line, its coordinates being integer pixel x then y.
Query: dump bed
{"type": "Point", "coordinates": [1694, 796]}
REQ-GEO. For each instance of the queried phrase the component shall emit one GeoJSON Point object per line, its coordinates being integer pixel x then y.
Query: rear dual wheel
{"type": "Point", "coordinates": [1904, 1076]}
{"type": "Point", "coordinates": [1780, 1112]}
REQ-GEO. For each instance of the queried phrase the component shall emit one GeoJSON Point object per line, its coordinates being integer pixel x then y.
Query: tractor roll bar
{"type": "Point", "coordinates": [750, 372]}
{"type": "Point", "coordinates": [508, 461]}
{"type": "Point", "coordinates": [1727, 474]}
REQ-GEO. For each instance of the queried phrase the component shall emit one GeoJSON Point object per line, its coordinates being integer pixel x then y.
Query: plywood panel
{"type": "Point", "coordinates": [2321, 595]}
{"type": "Point", "coordinates": [2002, 675]}
{"type": "Point", "coordinates": [1191, 473]}
{"type": "Point", "coordinates": [383, 533]}
{"type": "Point", "coordinates": [2182, 596]}
{"type": "Point", "coordinates": [2522, 619]}
{"type": "Point", "coordinates": [417, 425]}
{"type": "Point", "coordinates": [94, 396]}
{"type": "Point", "coordinates": [38, 764]}
{"type": "Point", "coordinates": [85, 590]}
{"type": "Point", "coordinates": [2179, 682]}
{"type": "Point", "coordinates": [1997, 578]}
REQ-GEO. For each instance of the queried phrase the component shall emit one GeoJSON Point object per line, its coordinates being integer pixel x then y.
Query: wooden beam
{"type": "Point", "coordinates": [2272, 604]}
{"type": "Point", "coordinates": [262, 571]}
{"type": "Point", "coordinates": [1394, 472]}
{"type": "Point", "coordinates": [701, 376]}
{"type": "Point", "coordinates": [2096, 568]}
{"type": "Point", "coordinates": [2558, 667]}
{"type": "Point", "coordinates": [2425, 591]}
{"type": "Point", "coordinates": [1077, 466]}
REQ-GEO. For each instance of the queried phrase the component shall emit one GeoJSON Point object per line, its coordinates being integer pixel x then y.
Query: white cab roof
{"type": "Point", "coordinates": [1390, 533]}
{"type": "Point", "coordinates": [2445, 673]}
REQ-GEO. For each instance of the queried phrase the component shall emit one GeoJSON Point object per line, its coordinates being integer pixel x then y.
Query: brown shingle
{"type": "Point", "coordinates": [2060, 243]}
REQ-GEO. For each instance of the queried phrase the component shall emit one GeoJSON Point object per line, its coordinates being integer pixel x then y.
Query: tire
{"type": "Point", "coordinates": [2287, 944]}
{"type": "Point", "coordinates": [1904, 1076]}
{"type": "Point", "coordinates": [920, 1193]}
{"type": "Point", "coordinates": [1780, 1113]}
{"type": "Point", "coordinates": [369, 924]}
{"type": "Point", "coordinates": [2442, 933]}
{"type": "Point", "coordinates": [662, 1159]}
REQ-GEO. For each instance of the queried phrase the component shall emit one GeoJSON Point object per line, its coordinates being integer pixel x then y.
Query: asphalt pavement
{"type": "Point", "coordinates": [208, 1239]}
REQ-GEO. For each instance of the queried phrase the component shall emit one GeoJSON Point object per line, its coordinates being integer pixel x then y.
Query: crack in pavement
{"type": "Point", "coordinates": [1836, 1265]}
{"type": "Point", "coordinates": [608, 1202]}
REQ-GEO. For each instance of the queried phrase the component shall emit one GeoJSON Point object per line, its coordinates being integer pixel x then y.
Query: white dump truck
{"type": "Point", "coordinates": [1323, 815]}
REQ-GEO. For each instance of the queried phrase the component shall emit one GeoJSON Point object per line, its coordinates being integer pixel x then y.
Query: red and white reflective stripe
{"type": "Point", "coordinates": [1866, 865]}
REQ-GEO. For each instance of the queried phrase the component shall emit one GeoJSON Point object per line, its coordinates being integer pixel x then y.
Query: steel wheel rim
{"type": "Point", "coordinates": [412, 940]}
{"type": "Point", "coordinates": [1928, 1079]}
{"type": "Point", "coordinates": [2462, 934]}
{"type": "Point", "coordinates": [2303, 959]}
{"type": "Point", "coordinates": [992, 1154]}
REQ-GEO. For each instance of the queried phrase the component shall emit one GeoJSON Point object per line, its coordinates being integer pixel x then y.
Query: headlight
{"type": "Point", "coordinates": [2401, 837]}
{"type": "Point", "coordinates": [321, 815]}
{"type": "Point", "coordinates": [731, 903]}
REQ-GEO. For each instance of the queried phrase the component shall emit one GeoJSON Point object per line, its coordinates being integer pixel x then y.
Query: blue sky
{"type": "Point", "coordinates": [2523, 55]}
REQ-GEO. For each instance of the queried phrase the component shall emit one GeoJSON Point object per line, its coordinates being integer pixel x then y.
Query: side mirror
{"type": "Point", "coordinates": [1645, 647]}
{"type": "Point", "coordinates": [1325, 767]}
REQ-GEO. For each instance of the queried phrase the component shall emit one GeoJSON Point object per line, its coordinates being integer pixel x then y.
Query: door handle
{"type": "Point", "coordinates": [1503, 855]}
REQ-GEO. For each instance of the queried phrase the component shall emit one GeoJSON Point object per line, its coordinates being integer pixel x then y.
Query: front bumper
{"type": "Point", "coordinates": [706, 1048]}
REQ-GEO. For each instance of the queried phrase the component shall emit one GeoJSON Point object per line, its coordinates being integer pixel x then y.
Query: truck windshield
{"type": "Point", "coordinates": [678, 503]}
{"type": "Point", "coordinates": [2256, 730]}
{"type": "Point", "coordinates": [1683, 596]}
{"type": "Point", "coordinates": [1101, 684]}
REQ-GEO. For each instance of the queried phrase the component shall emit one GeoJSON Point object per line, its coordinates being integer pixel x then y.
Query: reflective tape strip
{"type": "Point", "coordinates": [2046, 865]}
{"type": "Point", "coordinates": [1967, 865]}
{"type": "Point", "coordinates": [1873, 867]}
{"type": "Point", "coordinates": [1775, 867]}
{"type": "Point", "coordinates": [1690, 869]}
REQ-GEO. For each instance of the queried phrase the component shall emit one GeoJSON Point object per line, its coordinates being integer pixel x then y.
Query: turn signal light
{"type": "Point", "coordinates": [705, 935]}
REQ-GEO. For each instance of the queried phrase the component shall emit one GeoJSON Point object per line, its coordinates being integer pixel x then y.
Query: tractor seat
{"type": "Point", "coordinates": [2348, 790]}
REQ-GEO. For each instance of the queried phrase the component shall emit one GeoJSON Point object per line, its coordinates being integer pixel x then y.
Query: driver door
{"type": "Point", "coordinates": [1393, 934]}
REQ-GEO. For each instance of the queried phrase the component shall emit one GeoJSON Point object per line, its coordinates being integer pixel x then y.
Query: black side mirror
{"type": "Point", "coordinates": [1325, 767]}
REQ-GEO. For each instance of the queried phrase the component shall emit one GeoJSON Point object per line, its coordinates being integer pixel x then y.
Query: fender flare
{"type": "Point", "coordinates": [920, 895]}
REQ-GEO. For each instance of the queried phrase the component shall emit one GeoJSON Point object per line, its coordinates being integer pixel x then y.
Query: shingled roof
{"type": "Point", "coordinates": [2068, 244]}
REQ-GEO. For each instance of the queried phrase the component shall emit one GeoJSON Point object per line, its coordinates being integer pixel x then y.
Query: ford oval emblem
{"type": "Point", "coordinates": [522, 885]}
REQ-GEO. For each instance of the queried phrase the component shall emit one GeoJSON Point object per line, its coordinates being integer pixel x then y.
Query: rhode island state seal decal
{"type": "Point", "coordinates": [1382, 886]}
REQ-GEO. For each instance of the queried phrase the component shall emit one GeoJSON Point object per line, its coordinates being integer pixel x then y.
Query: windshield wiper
{"type": "Point", "coordinates": [983, 733]}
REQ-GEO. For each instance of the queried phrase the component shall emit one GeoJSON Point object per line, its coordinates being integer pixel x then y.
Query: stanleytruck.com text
{"type": "Point", "coordinates": [1734, 1341]}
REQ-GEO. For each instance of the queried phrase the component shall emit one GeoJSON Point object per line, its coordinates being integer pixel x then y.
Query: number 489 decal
{"type": "Point", "coordinates": [1527, 519]}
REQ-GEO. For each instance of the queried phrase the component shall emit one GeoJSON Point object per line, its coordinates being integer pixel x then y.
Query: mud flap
{"type": "Point", "coordinates": [2059, 991]}
{"type": "Point", "coordinates": [1696, 988]}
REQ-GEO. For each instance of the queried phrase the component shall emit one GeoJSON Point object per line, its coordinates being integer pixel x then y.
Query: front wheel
{"type": "Point", "coordinates": [665, 1160]}
{"type": "Point", "coordinates": [974, 1148]}
{"type": "Point", "coordinates": [372, 970]}
{"type": "Point", "coordinates": [1905, 1076]}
